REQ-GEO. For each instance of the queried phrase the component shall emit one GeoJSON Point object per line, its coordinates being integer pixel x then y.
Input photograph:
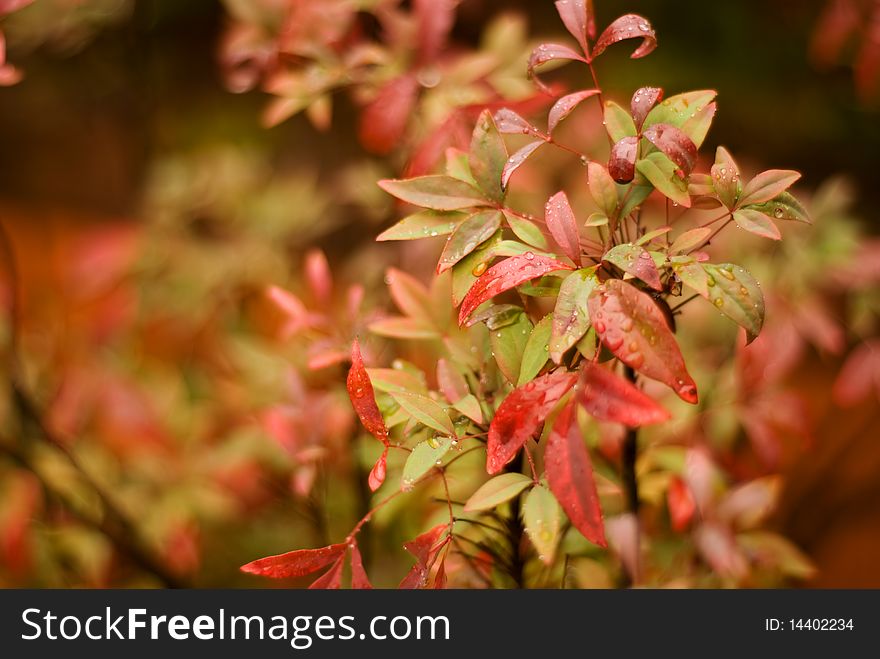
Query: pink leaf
{"type": "Point", "coordinates": [767, 185]}
{"type": "Point", "coordinates": [677, 146]}
{"type": "Point", "coordinates": [563, 226]}
{"type": "Point", "coordinates": [579, 19]}
{"type": "Point", "coordinates": [632, 327]}
{"type": "Point", "coordinates": [629, 26]}
{"type": "Point", "coordinates": [360, 391]}
{"type": "Point", "coordinates": [317, 273]}
{"type": "Point", "coordinates": [548, 52]}
{"type": "Point", "coordinates": [332, 578]}
{"type": "Point", "coordinates": [757, 223]}
{"type": "Point", "coordinates": [295, 563]}
{"type": "Point", "coordinates": [435, 19]}
{"type": "Point", "coordinates": [505, 275]}
{"type": "Point", "coordinates": [383, 122]}
{"type": "Point", "coordinates": [643, 102]}
{"type": "Point", "coordinates": [377, 473]}
{"type": "Point", "coordinates": [510, 123]}
{"type": "Point", "coordinates": [451, 382]}
{"type": "Point", "coordinates": [520, 414]}
{"type": "Point", "coordinates": [570, 476]}
{"type": "Point", "coordinates": [635, 260]}
{"type": "Point", "coordinates": [518, 159]}
{"type": "Point", "coordinates": [565, 105]}
{"type": "Point", "coordinates": [622, 163]}
{"type": "Point", "coordinates": [609, 397]}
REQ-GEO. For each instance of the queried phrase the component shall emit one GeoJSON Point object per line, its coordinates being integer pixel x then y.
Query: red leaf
{"type": "Point", "coordinates": [570, 476]}
{"type": "Point", "coordinates": [425, 548]}
{"type": "Point", "coordinates": [860, 375]}
{"type": "Point", "coordinates": [562, 225]}
{"type": "Point", "coordinates": [332, 578]}
{"type": "Point", "coordinates": [518, 159]}
{"type": "Point", "coordinates": [579, 20]}
{"type": "Point", "coordinates": [359, 579]}
{"type": "Point", "coordinates": [510, 123]}
{"type": "Point", "coordinates": [681, 504]}
{"type": "Point", "coordinates": [629, 26]}
{"type": "Point", "coordinates": [642, 102]}
{"type": "Point", "coordinates": [360, 391]}
{"type": "Point", "coordinates": [622, 163]}
{"type": "Point", "coordinates": [377, 473]}
{"type": "Point", "coordinates": [295, 563]}
{"type": "Point", "coordinates": [547, 52]}
{"type": "Point", "coordinates": [565, 105]}
{"type": "Point", "coordinates": [451, 382]}
{"type": "Point", "coordinates": [608, 397]}
{"type": "Point", "coordinates": [632, 327]}
{"type": "Point", "coordinates": [435, 21]}
{"type": "Point", "coordinates": [677, 146]}
{"type": "Point", "coordinates": [505, 275]}
{"type": "Point", "coordinates": [520, 414]}
{"type": "Point", "coordinates": [383, 121]}
{"type": "Point", "coordinates": [318, 275]}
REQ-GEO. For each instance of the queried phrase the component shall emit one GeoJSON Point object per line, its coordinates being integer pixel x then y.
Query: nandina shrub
{"type": "Point", "coordinates": [565, 335]}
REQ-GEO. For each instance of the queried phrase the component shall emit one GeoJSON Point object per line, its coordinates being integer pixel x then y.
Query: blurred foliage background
{"type": "Point", "coordinates": [149, 208]}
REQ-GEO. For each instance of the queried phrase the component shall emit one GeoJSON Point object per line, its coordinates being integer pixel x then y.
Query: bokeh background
{"type": "Point", "coordinates": [149, 207]}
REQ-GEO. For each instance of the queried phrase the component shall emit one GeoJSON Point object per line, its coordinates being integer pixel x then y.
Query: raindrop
{"type": "Point", "coordinates": [778, 213]}
{"type": "Point", "coordinates": [718, 302]}
{"type": "Point", "coordinates": [528, 256]}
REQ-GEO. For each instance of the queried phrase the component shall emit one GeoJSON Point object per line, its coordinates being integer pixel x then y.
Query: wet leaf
{"type": "Point", "coordinates": [295, 563]}
{"type": "Point", "coordinates": [679, 109]}
{"type": "Point", "coordinates": [634, 329]}
{"type": "Point", "coordinates": [629, 26]}
{"type": "Point", "coordinates": [618, 122]}
{"type": "Point", "coordinates": [470, 407]}
{"type": "Point", "coordinates": [520, 414]}
{"type": "Point", "coordinates": [423, 458]}
{"type": "Point", "coordinates": [332, 578]}
{"type": "Point", "coordinates": [360, 391]}
{"type": "Point", "coordinates": [359, 579]}
{"type": "Point", "coordinates": [571, 319]}
{"type": "Point", "coordinates": [725, 178]}
{"type": "Point", "coordinates": [549, 52]}
{"type": "Point", "coordinates": [503, 276]}
{"type": "Point", "coordinates": [508, 344]}
{"type": "Point", "coordinates": [488, 155]}
{"type": "Point", "coordinates": [608, 397]}
{"type": "Point", "coordinates": [661, 172]}
{"type": "Point", "coordinates": [466, 271]}
{"type": "Point", "coordinates": [622, 163]}
{"type": "Point", "coordinates": [570, 476]}
{"type": "Point", "coordinates": [767, 185]}
{"type": "Point", "coordinates": [643, 101]}
{"type": "Point", "coordinates": [526, 230]}
{"type": "Point", "coordinates": [690, 239]}
{"type": "Point", "coordinates": [677, 146]}
{"type": "Point", "coordinates": [510, 123]}
{"type": "Point", "coordinates": [536, 351]}
{"type": "Point", "coordinates": [636, 261]}
{"type": "Point", "coordinates": [438, 192]}
{"type": "Point", "coordinates": [563, 226]}
{"type": "Point", "coordinates": [426, 224]}
{"type": "Point", "coordinates": [543, 521]}
{"type": "Point", "coordinates": [518, 159]}
{"type": "Point", "coordinates": [602, 188]}
{"type": "Point", "coordinates": [425, 548]}
{"type": "Point", "coordinates": [469, 235]}
{"type": "Point", "coordinates": [737, 295]}
{"type": "Point", "coordinates": [378, 472]}
{"type": "Point", "coordinates": [496, 491]}
{"type": "Point", "coordinates": [783, 207]}
{"type": "Point", "coordinates": [697, 127]}
{"type": "Point", "coordinates": [757, 223]}
{"type": "Point", "coordinates": [424, 410]}
{"type": "Point", "coordinates": [692, 274]}
{"type": "Point", "coordinates": [578, 18]}
{"type": "Point", "coordinates": [565, 106]}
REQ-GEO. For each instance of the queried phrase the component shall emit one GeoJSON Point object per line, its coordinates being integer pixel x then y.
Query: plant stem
{"type": "Point", "coordinates": [630, 481]}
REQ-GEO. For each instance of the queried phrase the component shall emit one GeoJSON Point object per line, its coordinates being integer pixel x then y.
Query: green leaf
{"type": "Point", "coordinates": [768, 185]}
{"type": "Point", "coordinates": [757, 223]}
{"type": "Point", "coordinates": [438, 192]}
{"type": "Point", "coordinates": [679, 109]}
{"type": "Point", "coordinates": [650, 235]}
{"type": "Point", "coordinates": [637, 195]}
{"type": "Point", "coordinates": [425, 410]}
{"type": "Point", "coordinates": [725, 178]}
{"type": "Point", "coordinates": [425, 224]}
{"type": "Point", "coordinates": [596, 220]}
{"type": "Point", "coordinates": [783, 207]}
{"type": "Point", "coordinates": [689, 239]}
{"type": "Point", "coordinates": [469, 235]}
{"type": "Point", "coordinates": [508, 344]}
{"type": "Point", "coordinates": [602, 188]}
{"type": "Point", "coordinates": [488, 156]}
{"type": "Point", "coordinates": [463, 276]}
{"type": "Point", "coordinates": [618, 122]}
{"type": "Point", "coordinates": [536, 351]}
{"type": "Point", "coordinates": [392, 379]}
{"type": "Point", "coordinates": [409, 295]}
{"type": "Point", "coordinates": [526, 230]}
{"type": "Point", "coordinates": [692, 274]}
{"type": "Point", "coordinates": [660, 171]}
{"type": "Point", "coordinates": [697, 127]}
{"type": "Point", "coordinates": [571, 319]}
{"type": "Point", "coordinates": [423, 458]}
{"type": "Point", "coordinates": [543, 521]}
{"type": "Point", "coordinates": [737, 295]}
{"type": "Point", "coordinates": [496, 491]}
{"type": "Point", "coordinates": [398, 327]}
{"type": "Point", "coordinates": [457, 166]}
{"type": "Point", "coordinates": [470, 407]}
